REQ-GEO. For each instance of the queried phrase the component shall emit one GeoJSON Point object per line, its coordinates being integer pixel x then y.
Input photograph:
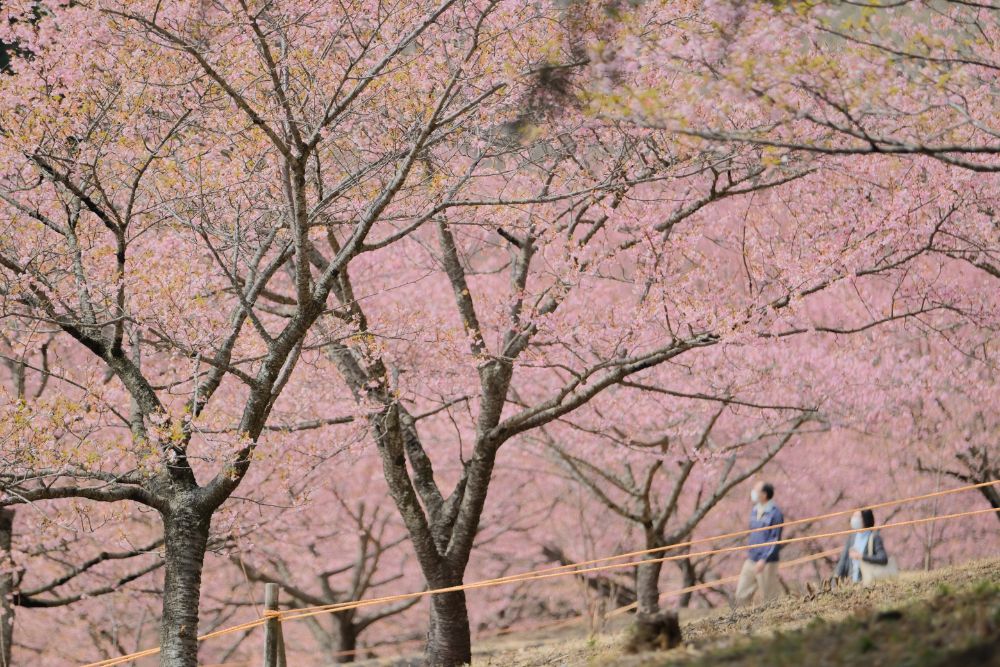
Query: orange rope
{"type": "Point", "coordinates": [727, 580]}
{"type": "Point", "coordinates": [573, 568]}
{"type": "Point", "coordinates": [615, 612]}
{"type": "Point", "coordinates": [529, 576]}
{"type": "Point", "coordinates": [110, 662]}
{"type": "Point", "coordinates": [306, 612]}
{"type": "Point", "coordinates": [676, 592]}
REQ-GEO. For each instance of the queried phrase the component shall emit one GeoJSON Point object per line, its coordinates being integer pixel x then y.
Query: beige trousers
{"type": "Point", "coordinates": [750, 582]}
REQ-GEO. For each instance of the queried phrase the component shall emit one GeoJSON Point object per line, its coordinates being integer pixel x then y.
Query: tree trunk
{"type": "Point", "coordinates": [690, 579]}
{"type": "Point", "coordinates": [449, 640]}
{"type": "Point", "coordinates": [656, 632]}
{"type": "Point", "coordinates": [7, 586]}
{"type": "Point", "coordinates": [992, 494]}
{"type": "Point", "coordinates": [185, 532]}
{"type": "Point", "coordinates": [647, 587]}
{"type": "Point", "coordinates": [347, 640]}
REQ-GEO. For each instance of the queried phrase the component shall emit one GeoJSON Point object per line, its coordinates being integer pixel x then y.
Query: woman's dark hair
{"type": "Point", "coordinates": [868, 518]}
{"type": "Point", "coordinates": [768, 490]}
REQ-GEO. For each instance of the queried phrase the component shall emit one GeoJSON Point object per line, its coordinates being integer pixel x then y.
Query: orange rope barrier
{"type": "Point", "coordinates": [615, 612]}
{"type": "Point", "coordinates": [727, 580]}
{"type": "Point", "coordinates": [110, 662]}
{"type": "Point", "coordinates": [574, 568]}
{"type": "Point", "coordinates": [680, 591]}
{"type": "Point", "coordinates": [529, 576]}
{"type": "Point", "coordinates": [306, 612]}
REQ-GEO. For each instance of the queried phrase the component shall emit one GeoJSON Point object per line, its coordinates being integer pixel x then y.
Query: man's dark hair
{"type": "Point", "coordinates": [768, 490]}
{"type": "Point", "coordinates": [868, 518]}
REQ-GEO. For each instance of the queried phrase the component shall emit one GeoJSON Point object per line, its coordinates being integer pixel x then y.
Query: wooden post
{"type": "Point", "coordinates": [274, 641]}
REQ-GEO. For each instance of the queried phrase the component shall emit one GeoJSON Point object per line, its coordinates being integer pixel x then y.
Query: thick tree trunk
{"type": "Point", "coordinates": [647, 587]}
{"type": "Point", "coordinates": [449, 639]}
{"type": "Point", "coordinates": [347, 640]}
{"type": "Point", "coordinates": [7, 586]}
{"type": "Point", "coordinates": [185, 532]}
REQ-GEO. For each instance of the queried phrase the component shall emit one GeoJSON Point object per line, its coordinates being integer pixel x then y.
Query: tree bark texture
{"type": "Point", "coordinates": [186, 538]}
{"type": "Point", "coordinates": [690, 579]}
{"type": "Point", "coordinates": [647, 587]}
{"type": "Point", "coordinates": [449, 642]}
{"type": "Point", "coordinates": [7, 586]}
{"type": "Point", "coordinates": [347, 640]}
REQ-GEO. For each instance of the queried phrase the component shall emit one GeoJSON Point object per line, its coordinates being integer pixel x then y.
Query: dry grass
{"type": "Point", "coordinates": [725, 632]}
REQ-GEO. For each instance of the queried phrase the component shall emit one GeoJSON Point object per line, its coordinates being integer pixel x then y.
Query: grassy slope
{"type": "Point", "coordinates": [951, 628]}
{"type": "Point", "coordinates": [945, 617]}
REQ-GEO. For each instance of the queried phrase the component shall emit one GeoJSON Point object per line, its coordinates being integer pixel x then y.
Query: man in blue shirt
{"type": "Point", "coordinates": [760, 570]}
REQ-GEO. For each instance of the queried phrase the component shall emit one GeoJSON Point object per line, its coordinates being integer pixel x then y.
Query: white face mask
{"type": "Point", "coordinates": [754, 496]}
{"type": "Point", "coordinates": [857, 523]}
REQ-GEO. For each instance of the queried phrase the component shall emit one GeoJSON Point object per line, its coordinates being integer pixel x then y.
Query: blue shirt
{"type": "Point", "coordinates": [769, 516]}
{"type": "Point", "coordinates": [859, 543]}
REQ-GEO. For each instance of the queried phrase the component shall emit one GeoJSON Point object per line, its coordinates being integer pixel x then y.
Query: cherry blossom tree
{"type": "Point", "coordinates": [41, 571]}
{"type": "Point", "coordinates": [348, 523]}
{"type": "Point", "coordinates": [590, 301]}
{"type": "Point", "coordinates": [650, 485]}
{"type": "Point", "coordinates": [945, 417]}
{"type": "Point", "coordinates": [902, 91]}
{"type": "Point", "coordinates": [277, 230]}
{"type": "Point", "coordinates": [165, 169]}
{"type": "Point", "coordinates": [527, 343]}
